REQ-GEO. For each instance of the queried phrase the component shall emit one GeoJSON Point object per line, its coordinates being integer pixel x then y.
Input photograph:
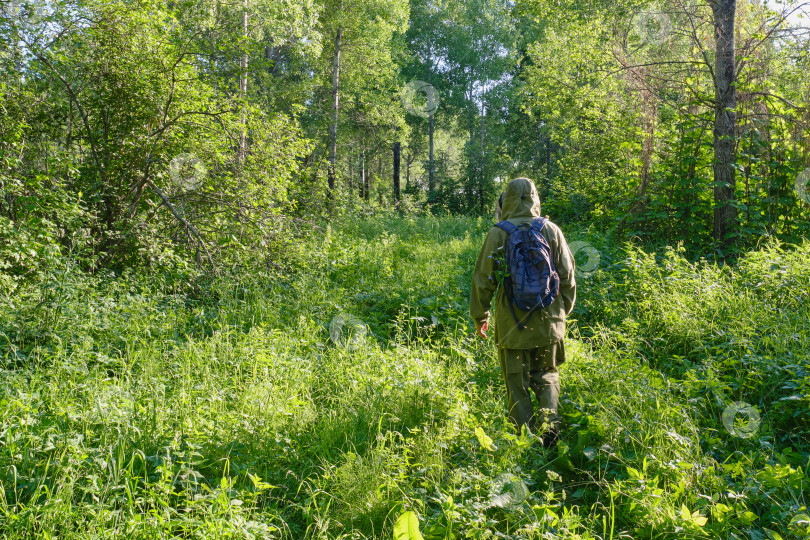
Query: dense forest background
{"type": "Point", "coordinates": [135, 133]}
{"type": "Point", "coordinates": [236, 245]}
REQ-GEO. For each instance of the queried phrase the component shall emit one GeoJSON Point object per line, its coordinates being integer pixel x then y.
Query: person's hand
{"type": "Point", "coordinates": [480, 330]}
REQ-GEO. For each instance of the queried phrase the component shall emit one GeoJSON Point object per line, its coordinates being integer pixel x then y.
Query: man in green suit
{"type": "Point", "coordinates": [529, 356]}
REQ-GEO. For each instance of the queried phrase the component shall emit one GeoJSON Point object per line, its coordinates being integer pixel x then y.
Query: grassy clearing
{"type": "Point", "coordinates": [326, 404]}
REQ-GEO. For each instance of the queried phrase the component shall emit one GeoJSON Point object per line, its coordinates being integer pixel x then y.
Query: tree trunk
{"type": "Point", "coordinates": [649, 116]}
{"type": "Point", "coordinates": [409, 159]}
{"type": "Point", "coordinates": [548, 164]}
{"type": "Point", "coordinates": [647, 152]}
{"type": "Point", "coordinates": [725, 119]}
{"type": "Point", "coordinates": [367, 182]}
{"type": "Point", "coordinates": [482, 178]}
{"type": "Point", "coordinates": [351, 172]}
{"type": "Point", "coordinates": [243, 74]}
{"type": "Point", "coordinates": [431, 165]}
{"type": "Point", "coordinates": [472, 170]}
{"type": "Point", "coordinates": [397, 153]}
{"type": "Point", "coordinates": [335, 106]}
{"type": "Point", "coordinates": [362, 173]}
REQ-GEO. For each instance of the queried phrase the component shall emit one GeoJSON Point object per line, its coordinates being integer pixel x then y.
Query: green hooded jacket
{"type": "Point", "coordinates": [521, 205]}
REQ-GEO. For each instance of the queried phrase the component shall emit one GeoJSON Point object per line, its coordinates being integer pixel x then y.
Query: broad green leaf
{"type": "Point", "coordinates": [407, 527]}
{"type": "Point", "coordinates": [484, 439]}
{"type": "Point", "coordinates": [748, 517]}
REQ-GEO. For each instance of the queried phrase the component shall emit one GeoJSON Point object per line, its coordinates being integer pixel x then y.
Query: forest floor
{"type": "Point", "coordinates": [350, 399]}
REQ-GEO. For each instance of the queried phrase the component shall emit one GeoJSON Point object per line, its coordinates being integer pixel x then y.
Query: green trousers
{"type": "Point", "coordinates": [533, 371]}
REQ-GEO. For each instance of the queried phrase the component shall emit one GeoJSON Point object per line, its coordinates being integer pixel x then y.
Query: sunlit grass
{"type": "Point", "coordinates": [156, 405]}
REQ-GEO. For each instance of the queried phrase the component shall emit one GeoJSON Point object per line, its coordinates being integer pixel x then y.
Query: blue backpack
{"type": "Point", "coordinates": [533, 282]}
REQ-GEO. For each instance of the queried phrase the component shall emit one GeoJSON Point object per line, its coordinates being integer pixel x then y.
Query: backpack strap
{"type": "Point", "coordinates": [506, 226]}
{"type": "Point", "coordinates": [509, 228]}
{"type": "Point", "coordinates": [539, 223]}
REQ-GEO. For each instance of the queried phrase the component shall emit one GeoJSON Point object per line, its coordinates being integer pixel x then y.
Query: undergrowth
{"type": "Point", "coordinates": [327, 402]}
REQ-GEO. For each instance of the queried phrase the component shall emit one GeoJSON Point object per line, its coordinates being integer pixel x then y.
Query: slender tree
{"type": "Point", "coordinates": [335, 103]}
{"type": "Point", "coordinates": [397, 155]}
{"type": "Point", "coordinates": [725, 120]}
{"type": "Point", "coordinates": [243, 81]}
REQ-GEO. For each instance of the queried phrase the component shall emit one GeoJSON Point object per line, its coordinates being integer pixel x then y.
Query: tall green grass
{"type": "Point", "coordinates": [326, 402]}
